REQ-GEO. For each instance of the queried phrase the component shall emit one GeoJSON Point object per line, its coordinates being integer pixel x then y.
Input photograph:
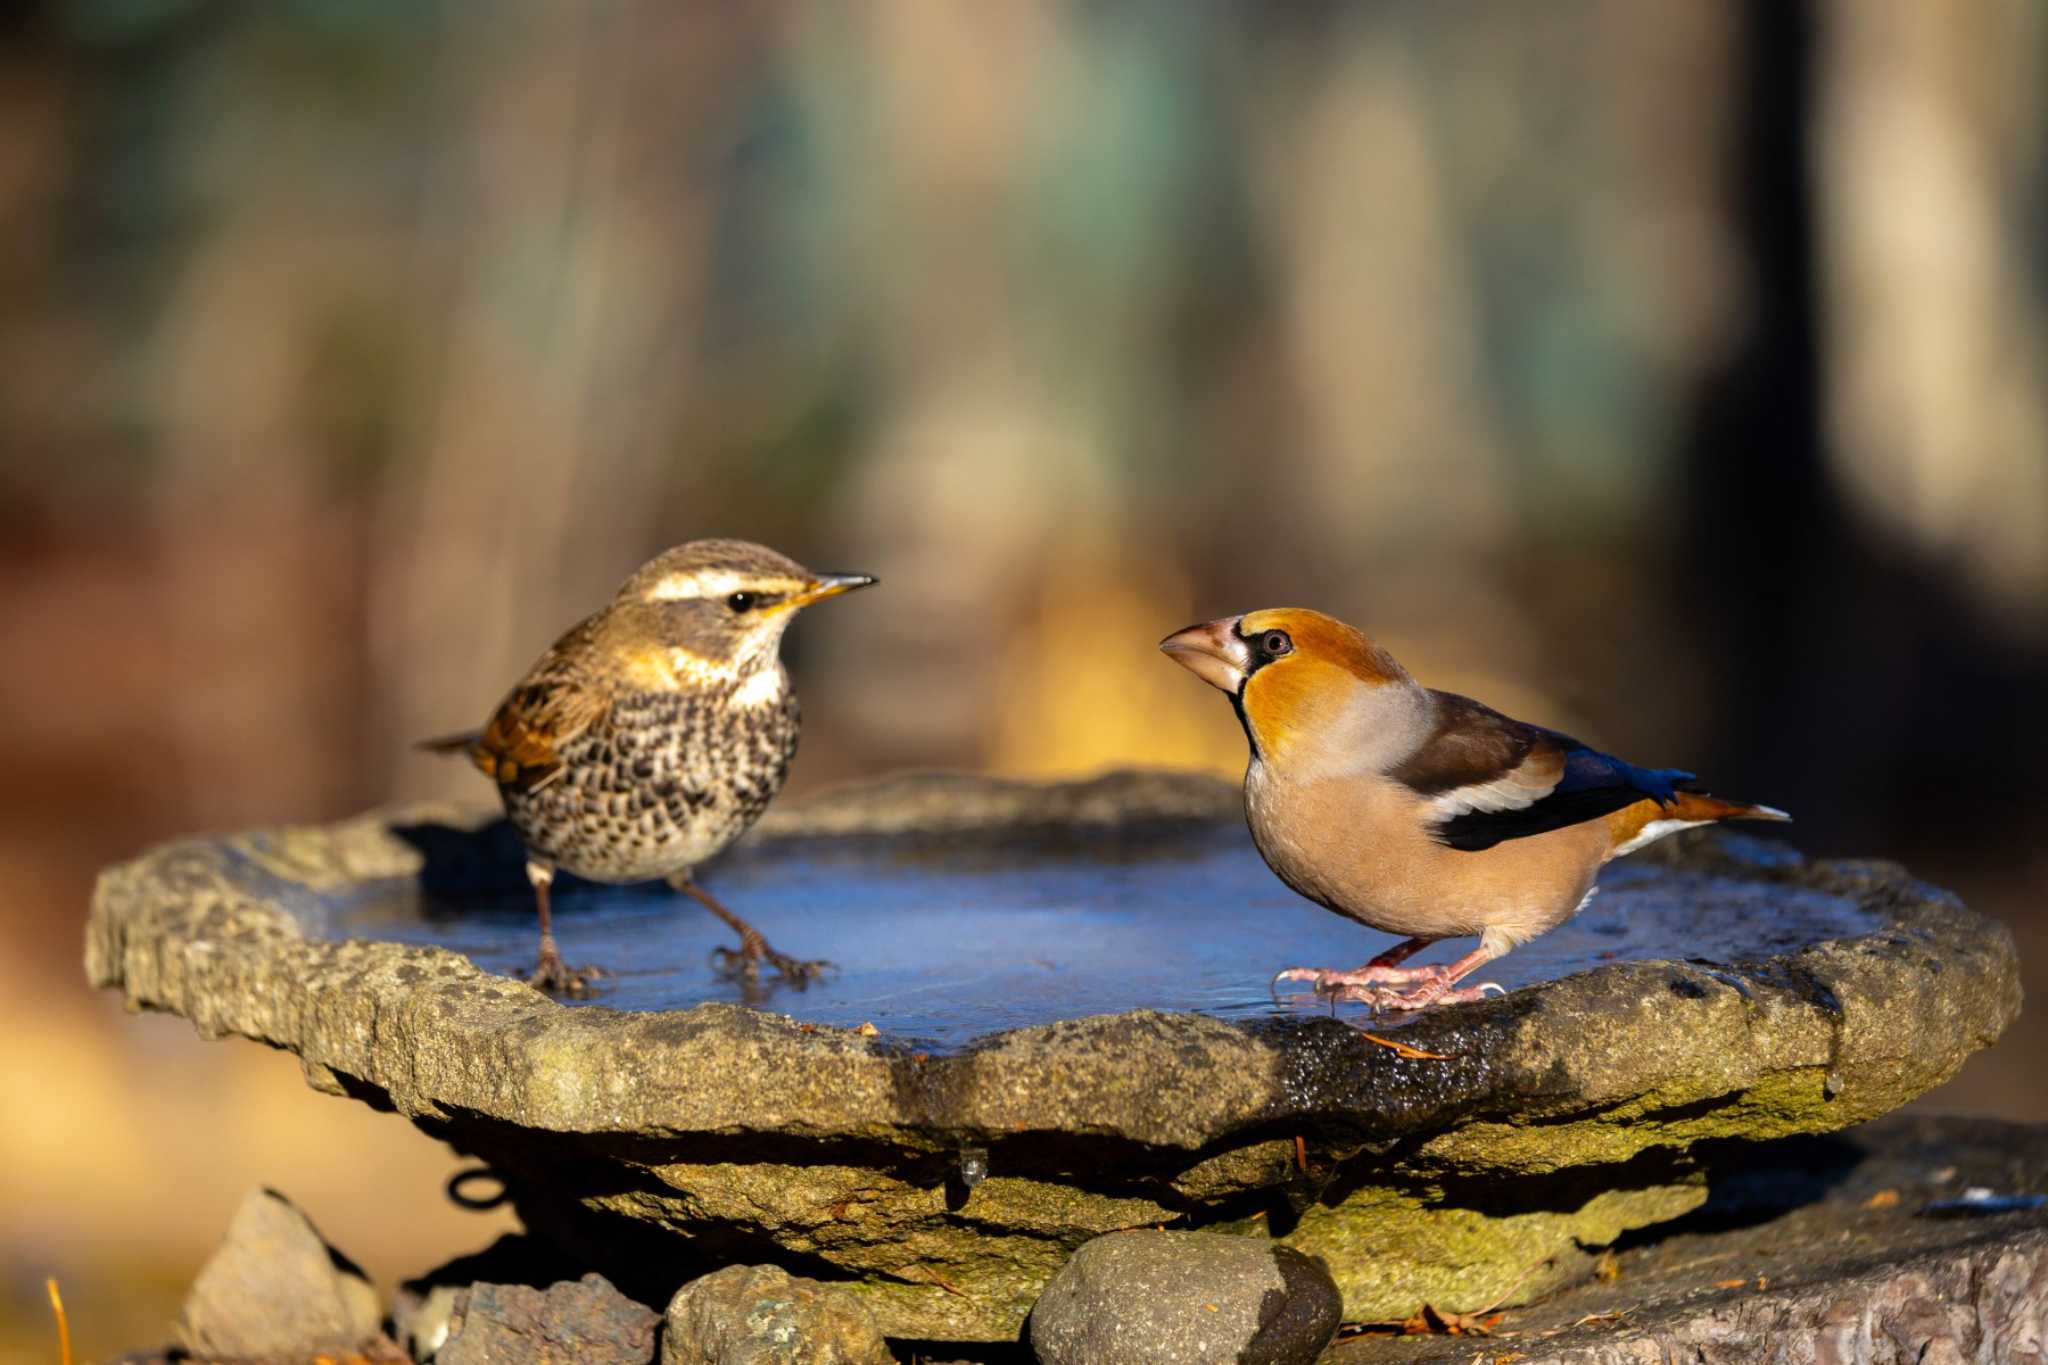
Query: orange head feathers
{"type": "Point", "coordinates": [1295, 675]}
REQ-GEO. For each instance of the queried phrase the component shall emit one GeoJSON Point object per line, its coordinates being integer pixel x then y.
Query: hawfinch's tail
{"type": "Point", "coordinates": [1644, 823]}
{"type": "Point", "coordinates": [1698, 807]}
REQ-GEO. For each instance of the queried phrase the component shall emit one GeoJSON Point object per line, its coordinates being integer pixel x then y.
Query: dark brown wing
{"type": "Point", "coordinates": [1474, 746]}
{"type": "Point", "coordinates": [1488, 777]}
{"type": "Point", "coordinates": [558, 700]}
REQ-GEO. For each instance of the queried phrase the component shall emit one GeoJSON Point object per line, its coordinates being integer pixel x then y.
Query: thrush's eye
{"type": "Point", "coordinates": [741, 601]}
{"type": "Point", "coordinates": [1274, 643]}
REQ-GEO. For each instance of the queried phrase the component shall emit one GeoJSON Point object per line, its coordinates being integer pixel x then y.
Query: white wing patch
{"type": "Point", "coordinates": [1510, 791]}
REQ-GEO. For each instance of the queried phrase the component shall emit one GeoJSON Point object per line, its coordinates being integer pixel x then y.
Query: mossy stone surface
{"type": "Point", "coordinates": [659, 1145]}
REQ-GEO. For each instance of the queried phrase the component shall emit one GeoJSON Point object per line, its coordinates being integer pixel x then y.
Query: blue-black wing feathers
{"type": "Point", "coordinates": [1593, 784]}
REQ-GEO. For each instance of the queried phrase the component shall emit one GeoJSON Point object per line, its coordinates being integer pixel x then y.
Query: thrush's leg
{"type": "Point", "coordinates": [550, 973]}
{"type": "Point", "coordinates": [753, 950]}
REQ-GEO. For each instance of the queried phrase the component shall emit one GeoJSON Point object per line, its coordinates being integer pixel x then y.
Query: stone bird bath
{"type": "Point", "coordinates": [1051, 1021]}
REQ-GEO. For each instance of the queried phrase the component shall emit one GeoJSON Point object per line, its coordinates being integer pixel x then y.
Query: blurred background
{"type": "Point", "coordinates": [1668, 373]}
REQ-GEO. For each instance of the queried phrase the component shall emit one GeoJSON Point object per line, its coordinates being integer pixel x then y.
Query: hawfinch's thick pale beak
{"type": "Point", "coordinates": [1212, 652]}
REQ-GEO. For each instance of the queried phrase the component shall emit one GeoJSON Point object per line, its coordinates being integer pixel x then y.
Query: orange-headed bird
{"type": "Point", "coordinates": [1418, 812]}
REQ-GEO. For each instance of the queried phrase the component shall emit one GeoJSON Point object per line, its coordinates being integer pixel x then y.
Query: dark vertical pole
{"type": "Point", "coordinates": [1762, 529]}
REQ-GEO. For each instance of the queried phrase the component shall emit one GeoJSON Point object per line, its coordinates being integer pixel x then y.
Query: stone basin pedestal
{"type": "Point", "coordinates": [1051, 1021]}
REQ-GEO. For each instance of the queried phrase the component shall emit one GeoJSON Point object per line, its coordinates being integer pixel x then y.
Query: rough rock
{"type": "Point", "coordinates": [275, 1288]}
{"type": "Point", "coordinates": [424, 1306]}
{"type": "Point", "coordinates": [1987, 1305]}
{"type": "Point", "coordinates": [586, 1320]}
{"type": "Point", "coordinates": [1811, 1250]}
{"type": "Point", "coordinates": [1185, 1298]}
{"type": "Point", "coordinates": [657, 1145]}
{"type": "Point", "coordinates": [762, 1315]}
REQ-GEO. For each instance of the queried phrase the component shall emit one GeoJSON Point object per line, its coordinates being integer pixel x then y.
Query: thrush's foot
{"type": "Point", "coordinates": [744, 962]}
{"type": "Point", "coordinates": [555, 977]}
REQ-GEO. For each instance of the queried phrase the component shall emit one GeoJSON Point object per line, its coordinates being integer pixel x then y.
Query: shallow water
{"type": "Point", "coordinates": [938, 946]}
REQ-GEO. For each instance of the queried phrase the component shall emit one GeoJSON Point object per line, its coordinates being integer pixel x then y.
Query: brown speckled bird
{"type": "Point", "coordinates": [1418, 812]}
{"type": "Point", "coordinates": [651, 735]}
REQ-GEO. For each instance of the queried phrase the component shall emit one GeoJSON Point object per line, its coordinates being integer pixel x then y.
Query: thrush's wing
{"type": "Point", "coordinates": [1487, 778]}
{"type": "Point", "coordinates": [559, 699]}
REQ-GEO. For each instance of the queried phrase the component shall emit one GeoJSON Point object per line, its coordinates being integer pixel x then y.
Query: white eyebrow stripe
{"type": "Point", "coordinates": [705, 583]}
{"type": "Point", "coordinates": [682, 587]}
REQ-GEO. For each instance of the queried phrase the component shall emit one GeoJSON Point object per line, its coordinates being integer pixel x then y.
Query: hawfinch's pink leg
{"type": "Point", "coordinates": [1384, 970]}
{"type": "Point", "coordinates": [1444, 990]}
{"type": "Point", "coordinates": [1433, 985]}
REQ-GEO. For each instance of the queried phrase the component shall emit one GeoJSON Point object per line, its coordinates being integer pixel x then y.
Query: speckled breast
{"type": "Point", "coordinates": [668, 781]}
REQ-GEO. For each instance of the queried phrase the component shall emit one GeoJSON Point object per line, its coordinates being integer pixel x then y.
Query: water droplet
{"type": "Point", "coordinates": [973, 1166]}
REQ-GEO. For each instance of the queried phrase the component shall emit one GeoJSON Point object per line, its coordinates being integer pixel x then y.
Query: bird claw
{"type": "Point", "coordinates": [1394, 1002]}
{"type": "Point", "coordinates": [1424, 999]}
{"type": "Point", "coordinates": [1324, 981]}
{"type": "Point", "coordinates": [552, 976]}
{"type": "Point", "coordinates": [801, 971]}
{"type": "Point", "coordinates": [1371, 974]}
{"type": "Point", "coordinates": [1361, 988]}
{"type": "Point", "coordinates": [744, 964]}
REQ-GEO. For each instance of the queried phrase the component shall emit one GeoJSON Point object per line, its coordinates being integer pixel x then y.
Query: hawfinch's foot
{"type": "Point", "coordinates": [1432, 986]}
{"type": "Point", "coordinates": [1395, 1002]}
{"type": "Point", "coordinates": [1328, 981]}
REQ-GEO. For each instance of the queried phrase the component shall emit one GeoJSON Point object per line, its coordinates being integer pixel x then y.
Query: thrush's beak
{"type": "Point", "coordinates": [828, 585]}
{"type": "Point", "coordinates": [1212, 652]}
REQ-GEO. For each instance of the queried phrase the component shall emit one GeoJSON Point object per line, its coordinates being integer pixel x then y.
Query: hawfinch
{"type": "Point", "coordinates": [1418, 812]}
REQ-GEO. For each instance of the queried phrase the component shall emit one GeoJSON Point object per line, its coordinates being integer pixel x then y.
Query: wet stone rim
{"type": "Point", "coordinates": [1814, 1040]}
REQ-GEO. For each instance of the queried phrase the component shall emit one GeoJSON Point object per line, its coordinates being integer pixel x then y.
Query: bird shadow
{"type": "Point", "coordinates": [463, 867]}
{"type": "Point", "coordinates": [466, 870]}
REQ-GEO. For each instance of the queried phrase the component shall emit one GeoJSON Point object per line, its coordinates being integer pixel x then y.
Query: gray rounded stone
{"type": "Point", "coordinates": [275, 1288]}
{"type": "Point", "coordinates": [763, 1315]}
{"type": "Point", "coordinates": [1185, 1298]}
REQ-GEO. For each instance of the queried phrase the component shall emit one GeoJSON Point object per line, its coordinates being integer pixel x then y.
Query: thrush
{"type": "Point", "coordinates": [1418, 812]}
{"type": "Point", "coordinates": [652, 734]}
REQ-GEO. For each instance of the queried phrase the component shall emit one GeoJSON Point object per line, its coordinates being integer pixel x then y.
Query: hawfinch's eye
{"type": "Point", "coordinates": [740, 601]}
{"type": "Point", "coordinates": [1274, 643]}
